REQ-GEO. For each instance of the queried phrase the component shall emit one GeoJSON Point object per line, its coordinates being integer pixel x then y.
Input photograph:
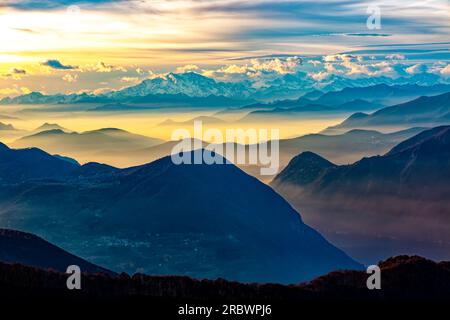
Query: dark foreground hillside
{"type": "Point", "coordinates": [403, 278]}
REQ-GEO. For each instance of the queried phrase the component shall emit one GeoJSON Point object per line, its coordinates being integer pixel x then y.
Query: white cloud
{"type": "Point", "coordinates": [319, 76]}
{"type": "Point", "coordinates": [70, 78]}
{"type": "Point", "coordinates": [446, 70]}
{"type": "Point", "coordinates": [130, 79]}
{"type": "Point", "coordinates": [315, 63]}
{"type": "Point", "coordinates": [187, 68]}
{"type": "Point", "coordinates": [417, 68]}
{"type": "Point", "coordinates": [15, 90]}
{"type": "Point", "coordinates": [395, 57]}
{"type": "Point", "coordinates": [103, 68]}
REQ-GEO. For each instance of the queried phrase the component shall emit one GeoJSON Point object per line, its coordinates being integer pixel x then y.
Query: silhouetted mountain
{"type": "Point", "coordinates": [424, 110]}
{"type": "Point", "coordinates": [303, 169]}
{"type": "Point", "coordinates": [30, 250]}
{"type": "Point", "coordinates": [343, 148]}
{"type": "Point", "coordinates": [26, 164]}
{"type": "Point", "coordinates": [93, 169]}
{"type": "Point", "coordinates": [206, 221]}
{"type": "Point", "coordinates": [66, 159]}
{"type": "Point", "coordinates": [415, 156]}
{"type": "Point", "coordinates": [403, 194]}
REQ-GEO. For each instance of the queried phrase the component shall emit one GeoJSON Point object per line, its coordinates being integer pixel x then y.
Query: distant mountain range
{"type": "Point", "coordinates": [98, 145]}
{"type": "Point", "coordinates": [288, 110]}
{"type": "Point", "coordinates": [163, 218]}
{"type": "Point", "coordinates": [190, 84]}
{"type": "Point", "coordinates": [125, 103]}
{"type": "Point", "coordinates": [421, 111]}
{"type": "Point", "coordinates": [188, 88]}
{"type": "Point", "coordinates": [381, 93]}
{"type": "Point", "coordinates": [346, 100]}
{"type": "Point", "coordinates": [197, 90]}
{"type": "Point", "coordinates": [30, 250]}
{"type": "Point", "coordinates": [403, 195]}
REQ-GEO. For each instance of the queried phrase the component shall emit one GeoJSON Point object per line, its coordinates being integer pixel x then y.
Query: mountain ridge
{"type": "Point", "coordinates": [195, 85]}
{"type": "Point", "coordinates": [218, 230]}
{"type": "Point", "coordinates": [433, 109]}
{"type": "Point", "coordinates": [395, 203]}
{"type": "Point", "coordinates": [31, 250]}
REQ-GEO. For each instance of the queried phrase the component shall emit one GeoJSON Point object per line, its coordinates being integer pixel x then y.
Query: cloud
{"type": "Point", "coordinates": [15, 73]}
{"type": "Point", "coordinates": [417, 68]}
{"type": "Point", "coordinates": [187, 68]}
{"type": "Point", "coordinates": [395, 56]}
{"type": "Point", "coordinates": [70, 78]}
{"type": "Point", "coordinates": [446, 70]}
{"type": "Point", "coordinates": [281, 66]}
{"type": "Point", "coordinates": [102, 67]}
{"type": "Point", "coordinates": [130, 79]}
{"type": "Point", "coordinates": [277, 65]}
{"type": "Point", "coordinates": [26, 30]}
{"type": "Point", "coordinates": [56, 64]}
{"type": "Point", "coordinates": [368, 34]}
{"type": "Point", "coordinates": [52, 4]}
{"type": "Point", "coordinates": [101, 90]}
{"type": "Point", "coordinates": [315, 63]}
{"type": "Point", "coordinates": [258, 71]}
{"type": "Point", "coordinates": [319, 76]}
{"type": "Point", "coordinates": [15, 90]}
{"type": "Point", "coordinates": [18, 71]}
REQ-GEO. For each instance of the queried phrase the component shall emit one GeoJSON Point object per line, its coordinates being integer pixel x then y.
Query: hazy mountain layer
{"type": "Point", "coordinates": [119, 148]}
{"type": "Point", "coordinates": [97, 145]}
{"type": "Point", "coordinates": [421, 111]}
{"type": "Point", "coordinates": [394, 203]}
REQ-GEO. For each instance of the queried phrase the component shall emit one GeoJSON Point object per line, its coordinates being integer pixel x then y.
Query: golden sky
{"type": "Point", "coordinates": [108, 44]}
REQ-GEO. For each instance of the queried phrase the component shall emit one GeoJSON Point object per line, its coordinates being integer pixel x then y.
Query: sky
{"type": "Point", "coordinates": [101, 45]}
